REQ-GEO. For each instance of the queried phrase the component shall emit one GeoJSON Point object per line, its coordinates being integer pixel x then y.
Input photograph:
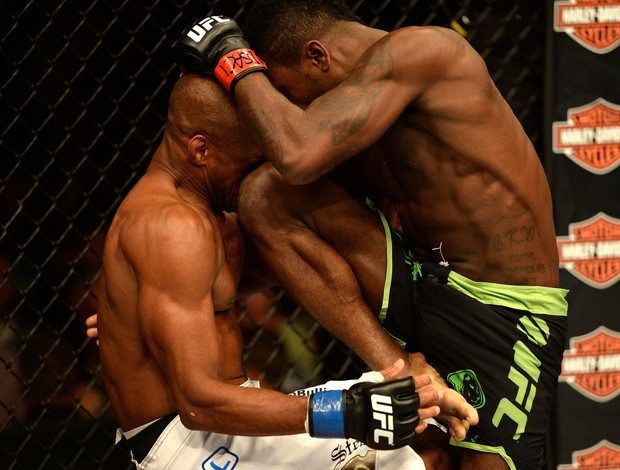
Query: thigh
{"type": "Point", "coordinates": [320, 224]}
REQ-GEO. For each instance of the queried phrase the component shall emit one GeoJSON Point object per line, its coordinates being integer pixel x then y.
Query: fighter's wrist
{"type": "Point", "coordinates": [371, 376]}
{"type": "Point", "coordinates": [326, 414]}
{"type": "Point", "coordinates": [215, 44]}
{"type": "Point", "coordinates": [236, 64]}
{"type": "Point", "coordinates": [416, 362]}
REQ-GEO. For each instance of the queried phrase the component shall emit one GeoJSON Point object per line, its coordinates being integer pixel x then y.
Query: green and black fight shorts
{"type": "Point", "coordinates": [500, 346]}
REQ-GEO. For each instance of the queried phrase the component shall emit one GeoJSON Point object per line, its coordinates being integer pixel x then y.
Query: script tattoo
{"type": "Point", "coordinates": [347, 114]}
{"type": "Point", "coordinates": [525, 264]}
{"type": "Point", "coordinates": [528, 270]}
{"type": "Point", "coordinates": [521, 257]}
{"type": "Point", "coordinates": [513, 236]}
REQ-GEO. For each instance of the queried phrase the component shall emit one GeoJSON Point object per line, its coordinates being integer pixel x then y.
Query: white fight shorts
{"type": "Point", "coordinates": [179, 448]}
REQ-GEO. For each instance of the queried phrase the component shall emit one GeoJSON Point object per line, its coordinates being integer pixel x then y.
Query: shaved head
{"type": "Point", "coordinates": [205, 132]}
{"type": "Point", "coordinates": [200, 105]}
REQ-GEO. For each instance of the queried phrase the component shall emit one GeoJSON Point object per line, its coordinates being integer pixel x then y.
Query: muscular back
{"type": "Point", "coordinates": [166, 278]}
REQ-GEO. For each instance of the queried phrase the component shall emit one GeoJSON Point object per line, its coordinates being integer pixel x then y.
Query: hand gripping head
{"type": "Point", "coordinates": [205, 42]}
{"type": "Point", "coordinates": [216, 45]}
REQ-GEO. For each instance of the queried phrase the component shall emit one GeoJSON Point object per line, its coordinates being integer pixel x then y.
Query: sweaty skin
{"type": "Point", "coordinates": [167, 322]}
{"type": "Point", "coordinates": [442, 144]}
{"type": "Point", "coordinates": [327, 250]}
{"type": "Point", "coordinates": [430, 133]}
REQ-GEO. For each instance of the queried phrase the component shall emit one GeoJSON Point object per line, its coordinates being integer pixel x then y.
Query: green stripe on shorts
{"type": "Point", "coordinates": [389, 266]}
{"type": "Point", "coordinates": [534, 299]}
{"type": "Point", "coordinates": [486, 449]}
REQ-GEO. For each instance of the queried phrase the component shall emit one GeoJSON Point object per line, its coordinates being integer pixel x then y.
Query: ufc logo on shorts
{"type": "Point", "coordinates": [199, 30]}
{"type": "Point", "coordinates": [382, 412]}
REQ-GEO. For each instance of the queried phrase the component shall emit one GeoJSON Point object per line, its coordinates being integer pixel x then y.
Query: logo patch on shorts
{"type": "Point", "coordinates": [466, 383]}
{"type": "Point", "coordinates": [362, 462]}
{"type": "Point", "coordinates": [221, 459]}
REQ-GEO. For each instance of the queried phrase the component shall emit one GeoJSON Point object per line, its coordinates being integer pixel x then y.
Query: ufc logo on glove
{"type": "Point", "coordinates": [381, 415]}
{"type": "Point", "coordinates": [215, 45]}
{"type": "Point", "coordinates": [199, 29]}
{"type": "Point", "coordinates": [382, 412]}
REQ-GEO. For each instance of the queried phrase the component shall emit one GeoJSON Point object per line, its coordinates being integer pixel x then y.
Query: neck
{"type": "Point", "coordinates": [190, 181]}
{"type": "Point", "coordinates": [352, 40]}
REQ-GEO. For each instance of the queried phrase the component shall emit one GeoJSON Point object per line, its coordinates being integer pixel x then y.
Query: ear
{"type": "Point", "coordinates": [318, 55]}
{"type": "Point", "coordinates": [198, 149]}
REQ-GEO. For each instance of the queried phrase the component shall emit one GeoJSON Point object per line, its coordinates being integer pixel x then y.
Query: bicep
{"type": "Point", "coordinates": [177, 331]}
{"type": "Point", "coordinates": [389, 77]}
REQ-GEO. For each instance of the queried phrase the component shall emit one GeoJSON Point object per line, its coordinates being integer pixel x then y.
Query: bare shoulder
{"type": "Point", "coordinates": [431, 49]}
{"type": "Point", "coordinates": [435, 66]}
{"type": "Point", "coordinates": [428, 37]}
{"type": "Point", "coordinates": [259, 189]}
{"type": "Point", "coordinates": [175, 220]}
{"type": "Point", "coordinates": [163, 227]}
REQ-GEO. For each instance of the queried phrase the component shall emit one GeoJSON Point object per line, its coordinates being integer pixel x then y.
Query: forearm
{"type": "Point", "coordinates": [303, 144]}
{"type": "Point", "coordinates": [243, 411]}
{"type": "Point", "coordinates": [297, 142]}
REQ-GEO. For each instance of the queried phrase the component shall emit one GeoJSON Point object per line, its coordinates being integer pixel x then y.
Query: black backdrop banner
{"type": "Point", "coordinates": [582, 158]}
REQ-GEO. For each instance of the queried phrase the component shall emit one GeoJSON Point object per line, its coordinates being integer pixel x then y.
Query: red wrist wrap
{"type": "Point", "coordinates": [236, 63]}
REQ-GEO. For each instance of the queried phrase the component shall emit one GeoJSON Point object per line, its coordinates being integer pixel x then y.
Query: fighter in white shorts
{"type": "Point", "coordinates": [167, 444]}
{"type": "Point", "coordinates": [169, 337]}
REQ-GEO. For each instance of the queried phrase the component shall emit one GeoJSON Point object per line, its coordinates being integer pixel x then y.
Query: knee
{"type": "Point", "coordinates": [260, 195]}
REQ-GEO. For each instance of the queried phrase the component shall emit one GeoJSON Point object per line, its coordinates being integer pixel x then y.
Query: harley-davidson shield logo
{"type": "Point", "coordinates": [591, 251]}
{"type": "Point", "coordinates": [595, 24]}
{"type": "Point", "coordinates": [591, 136]}
{"type": "Point", "coordinates": [592, 364]}
{"type": "Point", "coordinates": [602, 456]}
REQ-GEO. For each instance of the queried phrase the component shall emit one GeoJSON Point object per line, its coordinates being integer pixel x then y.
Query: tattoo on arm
{"type": "Point", "coordinates": [347, 114]}
{"type": "Point", "coordinates": [341, 124]}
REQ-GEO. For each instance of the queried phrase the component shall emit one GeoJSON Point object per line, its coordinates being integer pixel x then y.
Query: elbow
{"type": "Point", "coordinates": [302, 164]}
{"type": "Point", "coordinates": [192, 415]}
{"type": "Point", "coordinates": [296, 178]}
{"type": "Point", "coordinates": [190, 421]}
{"type": "Point", "coordinates": [201, 418]}
{"type": "Point", "coordinates": [197, 412]}
{"type": "Point", "coordinates": [298, 172]}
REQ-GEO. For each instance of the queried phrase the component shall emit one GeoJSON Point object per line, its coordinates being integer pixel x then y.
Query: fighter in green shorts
{"type": "Point", "coordinates": [415, 118]}
{"type": "Point", "coordinates": [500, 346]}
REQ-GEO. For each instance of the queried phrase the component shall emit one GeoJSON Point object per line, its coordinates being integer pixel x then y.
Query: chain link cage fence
{"type": "Point", "coordinates": [83, 99]}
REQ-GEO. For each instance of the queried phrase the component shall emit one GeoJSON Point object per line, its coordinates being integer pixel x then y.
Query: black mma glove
{"type": "Point", "coordinates": [381, 415]}
{"type": "Point", "coordinates": [216, 45]}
